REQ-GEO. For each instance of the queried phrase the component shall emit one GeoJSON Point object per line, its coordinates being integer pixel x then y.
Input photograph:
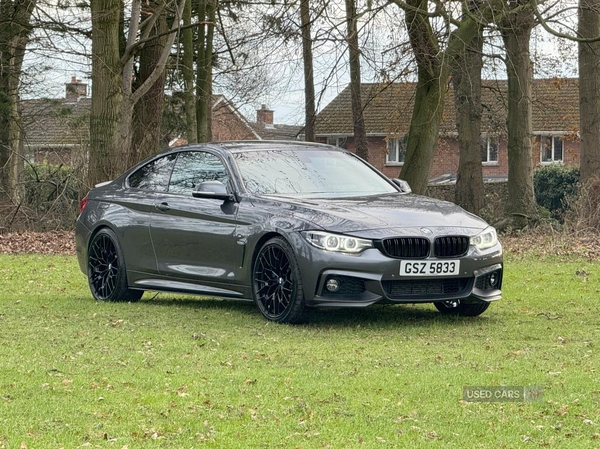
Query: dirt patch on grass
{"type": "Point", "coordinates": [52, 242]}
{"type": "Point", "coordinates": [559, 244]}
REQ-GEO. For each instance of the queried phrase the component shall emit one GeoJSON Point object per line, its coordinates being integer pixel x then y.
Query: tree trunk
{"type": "Point", "coordinates": [187, 71]}
{"type": "Point", "coordinates": [432, 82]}
{"type": "Point", "coordinates": [147, 122]}
{"type": "Point", "coordinates": [466, 79]}
{"type": "Point", "coordinates": [589, 91]}
{"type": "Point", "coordinates": [516, 33]}
{"type": "Point", "coordinates": [15, 27]}
{"type": "Point", "coordinates": [309, 82]}
{"type": "Point", "coordinates": [113, 98]}
{"type": "Point", "coordinates": [360, 135]}
{"type": "Point", "coordinates": [107, 93]}
{"type": "Point", "coordinates": [204, 45]}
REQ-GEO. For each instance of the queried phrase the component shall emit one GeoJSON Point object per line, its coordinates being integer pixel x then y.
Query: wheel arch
{"type": "Point", "coordinates": [259, 244]}
{"type": "Point", "coordinates": [96, 230]}
{"type": "Point", "coordinates": [100, 226]}
{"type": "Point", "coordinates": [294, 304]}
{"type": "Point", "coordinates": [107, 273]}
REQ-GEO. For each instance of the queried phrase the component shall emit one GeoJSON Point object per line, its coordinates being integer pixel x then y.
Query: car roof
{"type": "Point", "coordinates": [236, 146]}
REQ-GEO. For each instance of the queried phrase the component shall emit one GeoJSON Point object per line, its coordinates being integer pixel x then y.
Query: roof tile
{"type": "Point", "coordinates": [388, 108]}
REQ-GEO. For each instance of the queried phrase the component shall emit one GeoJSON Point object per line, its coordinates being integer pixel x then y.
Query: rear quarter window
{"type": "Point", "coordinates": [154, 175]}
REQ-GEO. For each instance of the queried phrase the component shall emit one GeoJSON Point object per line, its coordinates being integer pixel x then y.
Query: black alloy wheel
{"type": "Point", "coordinates": [276, 283]}
{"type": "Point", "coordinates": [106, 269]}
{"type": "Point", "coordinates": [455, 307]}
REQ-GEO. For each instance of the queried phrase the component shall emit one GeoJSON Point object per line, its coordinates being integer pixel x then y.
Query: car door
{"type": "Point", "coordinates": [136, 207]}
{"type": "Point", "coordinates": [194, 237]}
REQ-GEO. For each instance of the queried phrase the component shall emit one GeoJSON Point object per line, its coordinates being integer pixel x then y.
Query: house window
{"type": "Point", "coordinates": [551, 148]}
{"type": "Point", "coordinates": [339, 142]}
{"type": "Point", "coordinates": [489, 150]}
{"type": "Point", "coordinates": [396, 150]}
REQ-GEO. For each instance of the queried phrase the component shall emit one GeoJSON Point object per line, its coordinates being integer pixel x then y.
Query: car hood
{"type": "Point", "coordinates": [380, 216]}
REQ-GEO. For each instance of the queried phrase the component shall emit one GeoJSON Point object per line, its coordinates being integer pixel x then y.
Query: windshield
{"type": "Point", "coordinates": [309, 174]}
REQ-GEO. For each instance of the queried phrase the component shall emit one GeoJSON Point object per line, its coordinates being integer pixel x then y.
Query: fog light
{"type": "Point", "coordinates": [494, 279]}
{"type": "Point", "coordinates": [332, 285]}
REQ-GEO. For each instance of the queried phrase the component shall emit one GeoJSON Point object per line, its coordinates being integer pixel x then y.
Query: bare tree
{"type": "Point", "coordinates": [107, 93]}
{"type": "Point", "coordinates": [466, 79]}
{"type": "Point", "coordinates": [589, 90]}
{"type": "Point", "coordinates": [113, 94]}
{"type": "Point", "coordinates": [360, 135]}
{"type": "Point", "coordinates": [309, 81]}
{"type": "Point", "coordinates": [516, 29]}
{"type": "Point", "coordinates": [187, 72]}
{"type": "Point", "coordinates": [204, 65]}
{"type": "Point", "coordinates": [15, 29]}
{"type": "Point", "coordinates": [432, 80]}
{"type": "Point", "coordinates": [148, 111]}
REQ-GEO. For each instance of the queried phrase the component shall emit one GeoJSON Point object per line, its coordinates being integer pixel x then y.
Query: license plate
{"type": "Point", "coordinates": [429, 268]}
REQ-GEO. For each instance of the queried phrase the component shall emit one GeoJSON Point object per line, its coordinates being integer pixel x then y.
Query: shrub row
{"type": "Point", "coordinates": [555, 187]}
{"type": "Point", "coordinates": [49, 199]}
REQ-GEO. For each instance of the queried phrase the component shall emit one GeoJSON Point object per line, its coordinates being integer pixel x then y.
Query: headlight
{"type": "Point", "coordinates": [336, 242]}
{"type": "Point", "coordinates": [485, 239]}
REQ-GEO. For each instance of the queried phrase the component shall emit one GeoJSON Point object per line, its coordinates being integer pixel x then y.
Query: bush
{"type": "Point", "coordinates": [44, 184]}
{"type": "Point", "coordinates": [48, 199]}
{"type": "Point", "coordinates": [583, 214]}
{"type": "Point", "coordinates": [554, 187]}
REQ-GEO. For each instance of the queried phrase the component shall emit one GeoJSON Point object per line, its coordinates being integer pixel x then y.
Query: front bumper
{"type": "Point", "coordinates": [371, 277]}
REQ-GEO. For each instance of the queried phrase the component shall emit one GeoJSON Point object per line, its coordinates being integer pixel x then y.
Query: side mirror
{"type": "Point", "coordinates": [404, 187]}
{"type": "Point", "coordinates": [212, 189]}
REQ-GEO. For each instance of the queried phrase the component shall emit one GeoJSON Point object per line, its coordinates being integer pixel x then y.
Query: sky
{"type": "Point", "coordinates": [288, 107]}
{"type": "Point", "coordinates": [47, 70]}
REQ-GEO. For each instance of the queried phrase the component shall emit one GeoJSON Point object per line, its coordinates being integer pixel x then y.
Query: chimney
{"type": "Point", "coordinates": [75, 90]}
{"type": "Point", "coordinates": [264, 115]}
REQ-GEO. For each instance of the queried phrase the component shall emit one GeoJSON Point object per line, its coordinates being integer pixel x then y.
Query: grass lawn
{"type": "Point", "coordinates": [183, 372]}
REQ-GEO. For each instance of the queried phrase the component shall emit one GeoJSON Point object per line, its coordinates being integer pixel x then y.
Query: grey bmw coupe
{"type": "Point", "coordinates": [289, 225]}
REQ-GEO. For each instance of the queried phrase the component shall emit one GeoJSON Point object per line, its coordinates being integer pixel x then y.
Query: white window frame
{"type": "Point", "coordinates": [489, 140]}
{"type": "Point", "coordinates": [398, 144]}
{"type": "Point", "coordinates": [337, 141]}
{"type": "Point", "coordinates": [555, 138]}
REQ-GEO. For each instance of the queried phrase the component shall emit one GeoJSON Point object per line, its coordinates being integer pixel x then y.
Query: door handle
{"type": "Point", "coordinates": [163, 207]}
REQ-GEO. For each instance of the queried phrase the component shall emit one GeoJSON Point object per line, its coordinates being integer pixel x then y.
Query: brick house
{"type": "Point", "coordinates": [57, 130]}
{"type": "Point", "coordinates": [267, 130]}
{"type": "Point", "coordinates": [229, 124]}
{"type": "Point", "coordinates": [388, 111]}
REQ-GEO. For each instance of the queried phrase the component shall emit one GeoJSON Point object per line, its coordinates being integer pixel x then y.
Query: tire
{"type": "Point", "coordinates": [107, 276]}
{"type": "Point", "coordinates": [461, 309]}
{"type": "Point", "coordinates": [277, 285]}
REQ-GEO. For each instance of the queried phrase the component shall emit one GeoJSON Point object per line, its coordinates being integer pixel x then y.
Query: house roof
{"type": "Point", "coordinates": [276, 132]}
{"type": "Point", "coordinates": [388, 108]}
{"type": "Point", "coordinates": [261, 131]}
{"type": "Point", "coordinates": [55, 122]}
{"type": "Point", "coordinates": [220, 101]}
{"type": "Point", "coordinates": [60, 122]}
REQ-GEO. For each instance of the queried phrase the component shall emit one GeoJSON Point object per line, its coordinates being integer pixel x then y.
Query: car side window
{"type": "Point", "coordinates": [154, 175]}
{"type": "Point", "coordinates": [194, 167]}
